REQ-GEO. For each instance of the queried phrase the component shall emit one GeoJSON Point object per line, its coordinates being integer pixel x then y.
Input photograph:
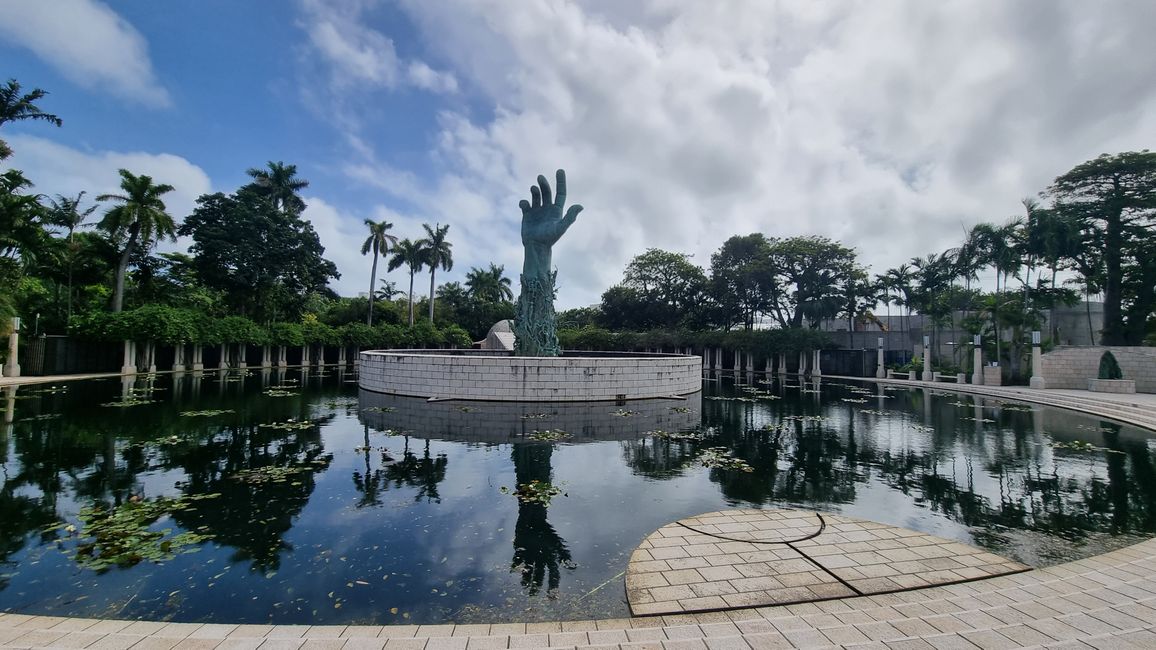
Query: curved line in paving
{"type": "Point", "coordinates": [822, 527]}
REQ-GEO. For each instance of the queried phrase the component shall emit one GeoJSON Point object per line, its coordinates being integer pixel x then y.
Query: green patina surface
{"type": "Point", "coordinates": [543, 224]}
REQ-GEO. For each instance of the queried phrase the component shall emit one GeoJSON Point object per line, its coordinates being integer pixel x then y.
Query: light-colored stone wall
{"type": "Point", "coordinates": [494, 375]}
{"type": "Point", "coordinates": [1072, 367]}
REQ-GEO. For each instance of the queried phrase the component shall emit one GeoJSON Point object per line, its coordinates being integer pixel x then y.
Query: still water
{"type": "Point", "coordinates": [290, 497]}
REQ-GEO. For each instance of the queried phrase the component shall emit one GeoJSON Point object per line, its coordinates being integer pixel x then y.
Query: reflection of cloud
{"type": "Point", "coordinates": [88, 43]}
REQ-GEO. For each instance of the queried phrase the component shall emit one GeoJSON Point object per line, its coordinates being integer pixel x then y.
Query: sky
{"type": "Point", "coordinates": [891, 126]}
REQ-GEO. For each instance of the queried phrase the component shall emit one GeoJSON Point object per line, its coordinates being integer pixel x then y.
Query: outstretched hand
{"type": "Point", "coordinates": [542, 220]}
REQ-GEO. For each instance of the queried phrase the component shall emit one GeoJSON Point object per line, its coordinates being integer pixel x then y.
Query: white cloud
{"type": "Point", "coordinates": [58, 169]}
{"type": "Point", "coordinates": [88, 43]}
{"type": "Point", "coordinates": [360, 55]}
{"type": "Point", "coordinates": [889, 126]}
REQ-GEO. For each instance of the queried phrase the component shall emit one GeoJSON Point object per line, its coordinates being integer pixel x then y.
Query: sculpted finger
{"type": "Point", "coordinates": [525, 205]}
{"type": "Point", "coordinates": [535, 196]}
{"type": "Point", "coordinates": [572, 213]}
{"type": "Point", "coordinates": [547, 197]}
{"type": "Point", "coordinates": [560, 186]}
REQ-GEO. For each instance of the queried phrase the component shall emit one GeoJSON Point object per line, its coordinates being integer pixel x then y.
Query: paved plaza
{"type": "Point", "coordinates": [746, 558]}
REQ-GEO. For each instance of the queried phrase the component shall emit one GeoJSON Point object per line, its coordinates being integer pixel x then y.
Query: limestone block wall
{"type": "Point", "coordinates": [497, 375]}
{"type": "Point", "coordinates": [1072, 367]}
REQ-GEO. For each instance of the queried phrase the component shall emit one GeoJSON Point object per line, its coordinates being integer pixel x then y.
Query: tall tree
{"type": "Point", "coordinates": [65, 212]}
{"type": "Point", "coordinates": [410, 254]}
{"type": "Point", "coordinates": [138, 219]}
{"type": "Point", "coordinates": [436, 250]}
{"type": "Point", "coordinates": [811, 273]}
{"type": "Point", "coordinates": [379, 242]}
{"type": "Point", "coordinates": [265, 261]}
{"type": "Point", "coordinates": [15, 107]}
{"type": "Point", "coordinates": [1114, 194]}
{"type": "Point", "coordinates": [743, 281]}
{"type": "Point", "coordinates": [280, 183]}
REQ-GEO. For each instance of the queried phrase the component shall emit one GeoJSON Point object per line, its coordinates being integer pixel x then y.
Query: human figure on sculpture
{"type": "Point", "coordinates": [543, 224]}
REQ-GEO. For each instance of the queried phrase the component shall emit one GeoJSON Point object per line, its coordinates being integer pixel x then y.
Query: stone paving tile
{"type": "Point", "coordinates": [788, 556]}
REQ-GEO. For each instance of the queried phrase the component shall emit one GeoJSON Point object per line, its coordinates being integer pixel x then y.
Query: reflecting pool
{"type": "Point", "coordinates": [291, 497]}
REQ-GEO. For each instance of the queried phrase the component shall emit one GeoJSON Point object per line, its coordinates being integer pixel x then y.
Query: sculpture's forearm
{"type": "Point", "coordinates": [537, 262]}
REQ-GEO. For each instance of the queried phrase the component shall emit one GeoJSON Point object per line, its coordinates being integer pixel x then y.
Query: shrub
{"type": "Point", "coordinates": [1109, 369]}
{"type": "Point", "coordinates": [456, 337]}
{"type": "Point", "coordinates": [286, 334]}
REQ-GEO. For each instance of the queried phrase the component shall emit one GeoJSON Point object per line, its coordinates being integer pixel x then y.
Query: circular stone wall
{"type": "Point", "coordinates": [498, 375]}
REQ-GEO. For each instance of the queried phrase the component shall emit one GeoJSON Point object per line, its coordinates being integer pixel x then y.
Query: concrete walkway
{"type": "Point", "coordinates": [1107, 601]}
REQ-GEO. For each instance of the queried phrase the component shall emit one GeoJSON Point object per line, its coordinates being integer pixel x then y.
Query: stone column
{"type": "Point", "coordinates": [977, 361]}
{"type": "Point", "coordinates": [1037, 380]}
{"type": "Point", "coordinates": [750, 362]}
{"type": "Point", "coordinates": [927, 358]}
{"type": "Point", "coordinates": [782, 363]}
{"type": "Point", "coordinates": [266, 356]}
{"type": "Point", "coordinates": [719, 358]}
{"type": "Point", "coordinates": [816, 365]}
{"type": "Point", "coordinates": [151, 357]}
{"type": "Point", "coordinates": [305, 356]}
{"type": "Point", "coordinates": [223, 364]}
{"type": "Point", "coordinates": [802, 363]}
{"type": "Point", "coordinates": [738, 362]}
{"type": "Point", "coordinates": [179, 357]}
{"type": "Point", "coordinates": [880, 371]}
{"type": "Point", "coordinates": [341, 352]}
{"type": "Point", "coordinates": [129, 365]}
{"type": "Point", "coordinates": [198, 361]}
{"type": "Point", "coordinates": [12, 367]}
{"type": "Point", "coordinates": [242, 355]}
{"type": "Point", "coordinates": [282, 356]}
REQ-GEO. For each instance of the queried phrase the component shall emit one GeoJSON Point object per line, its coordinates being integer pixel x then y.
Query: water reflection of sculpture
{"type": "Point", "coordinates": [539, 551]}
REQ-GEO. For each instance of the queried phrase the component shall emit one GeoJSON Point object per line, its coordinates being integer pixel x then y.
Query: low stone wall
{"type": "Point", "coordinates": [497, 375]}
{"type": "Point", "coordinates": [1072, 367]}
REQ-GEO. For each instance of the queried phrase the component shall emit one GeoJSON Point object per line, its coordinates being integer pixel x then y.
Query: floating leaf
{"type": "Point", "coordinates": [548, 435]}
{"type": "Point", "coordinates": [537, 492]}
{"type": "Point", "coordinates": [722, 458]}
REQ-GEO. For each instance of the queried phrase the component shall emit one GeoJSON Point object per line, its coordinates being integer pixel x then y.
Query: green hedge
{"type": "Point", "coordinates": [173, 326]}
{"type": "Point", "coordinates": [758, 342]}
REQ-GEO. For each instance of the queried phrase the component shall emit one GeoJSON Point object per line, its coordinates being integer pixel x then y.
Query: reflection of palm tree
{"type": "Point", "coordinates": [539, 552]}
{"type": "Point", "coordinates": [369, 482]}
{"type": "Point", "coordinates": [423, 473]}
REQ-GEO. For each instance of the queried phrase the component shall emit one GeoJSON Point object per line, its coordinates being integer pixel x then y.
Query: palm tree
{"type": "Point", "coordinates": [436, 251]}
{"type": "Point", "coordinates": [900, 282]}
{"type": "Point", "coordinates": [388, 291]}
{"type": "Point", "coordinates": [66, 213]}
{"type": "Point", "coordinates": [280, 184]}
{"type": "Point", "coordinates": [379, 241]}
{"type": "Point", "coordinates": [410, 254]}
{"type": "Point", "coordinates": [16, 107]}
{"type": "Point", "coordinates": [139, 220]}
{"type": "Point", "coordinates": [489, 285]}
